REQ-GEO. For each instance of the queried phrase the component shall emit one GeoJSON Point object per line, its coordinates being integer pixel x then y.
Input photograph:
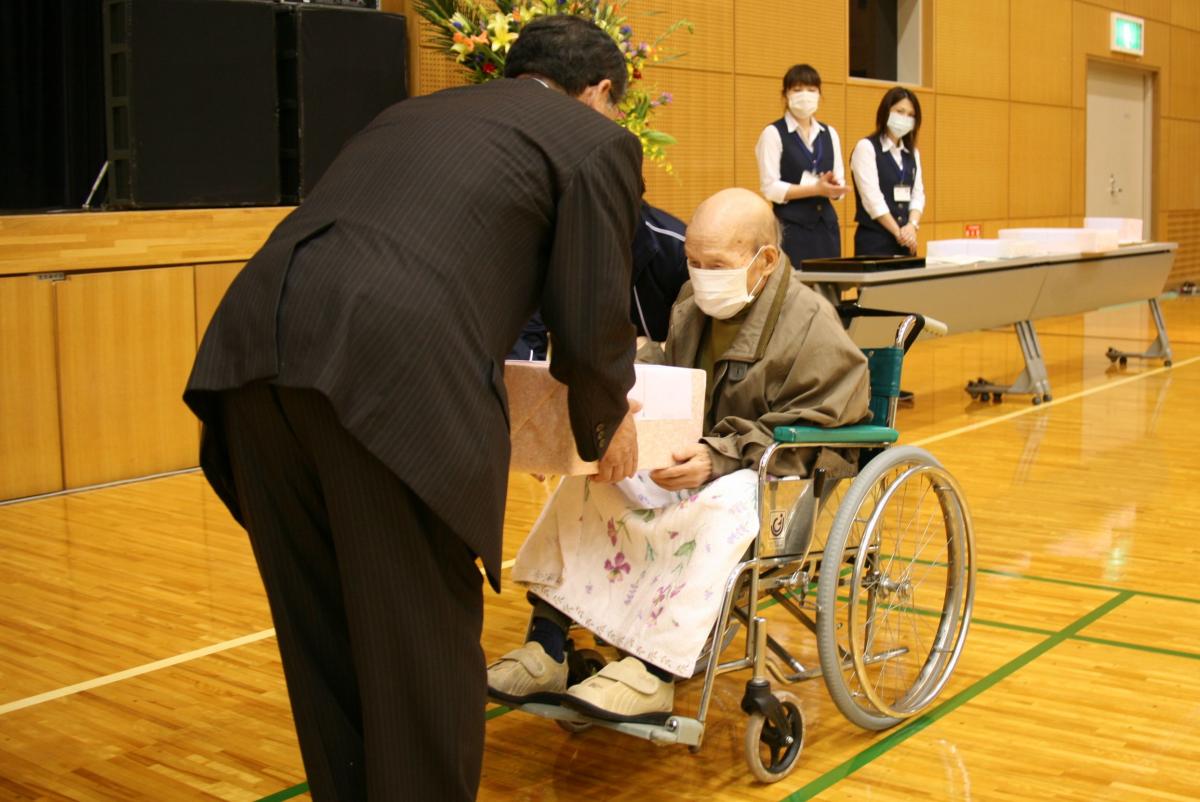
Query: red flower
{"type": "Point", "coordinates": [489, 68]}
{"type": "Point", "coordinates": [637, 75]}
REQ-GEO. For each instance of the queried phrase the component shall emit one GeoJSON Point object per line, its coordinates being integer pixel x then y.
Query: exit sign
{"type": "Point", "coordinates": [972, 231]}
{"type": "Point", "coordinates": [1128, 34]}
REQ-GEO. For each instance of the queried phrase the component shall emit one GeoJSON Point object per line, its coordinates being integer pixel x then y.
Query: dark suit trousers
{"type": "Point", "coordinates": [378, 607]}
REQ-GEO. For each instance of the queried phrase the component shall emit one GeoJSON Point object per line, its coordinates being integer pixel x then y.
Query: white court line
{"type": "Point", "coordinates": [267, 633]}
{"type": "Point", "coordinates": [1032, 408]}
{"type": "Point", "coordinates": [129, 673]}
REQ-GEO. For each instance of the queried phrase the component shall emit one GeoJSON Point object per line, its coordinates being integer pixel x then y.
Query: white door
{"type": "Point", "coordinates": [1119, 139]}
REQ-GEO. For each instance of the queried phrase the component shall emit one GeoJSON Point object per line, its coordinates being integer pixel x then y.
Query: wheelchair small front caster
{"type": "Point", "coordinates": [1037, 399]}
{"type": "Point", "coordinates": [1046, 397]}
{"type": "Point", "coordinates": [1166, 363]}
{"type": "Point", "coordinates": [772, 752]}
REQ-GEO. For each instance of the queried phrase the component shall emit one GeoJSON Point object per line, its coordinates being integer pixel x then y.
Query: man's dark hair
{"type": "Point", "coordinates": [894, 96]}
{"type": "Point", "coordinates": [573, 52]}
{"type": "Point", "coordinates": [801, 75]}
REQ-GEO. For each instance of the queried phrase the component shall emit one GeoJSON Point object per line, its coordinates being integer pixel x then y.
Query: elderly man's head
{"type": "Point", "coordinates": [732, 248]}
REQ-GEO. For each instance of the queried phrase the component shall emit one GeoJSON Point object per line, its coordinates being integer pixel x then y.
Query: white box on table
{"type": "Point", "coordinates": [965, 251]}
{"type": "Point", "coordinates": [1129, 229]}
{"type": "Point", "coordinates": [1057, 241]}
{"type": "Point", "coordinates": [672, 416]}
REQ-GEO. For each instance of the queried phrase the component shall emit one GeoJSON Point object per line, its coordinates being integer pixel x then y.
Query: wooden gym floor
{"type": "Point", "coordinates": [137, 660]}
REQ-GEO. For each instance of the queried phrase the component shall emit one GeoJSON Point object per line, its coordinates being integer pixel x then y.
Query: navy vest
{"type": "Point", "coordinates": [793, 161]}
{"type": "Point", "coordinates": [889, 176]}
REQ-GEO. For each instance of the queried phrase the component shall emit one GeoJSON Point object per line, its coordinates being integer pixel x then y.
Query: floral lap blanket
{"type": "Point", "coordinates": [649, 580]}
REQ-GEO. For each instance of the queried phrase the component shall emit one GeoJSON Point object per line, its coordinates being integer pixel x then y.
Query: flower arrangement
{"type": "Point", "coordinates": [478, 38]}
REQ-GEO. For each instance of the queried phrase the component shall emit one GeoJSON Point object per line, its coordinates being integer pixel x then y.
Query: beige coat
{"type": "Point", "coordinates": [790, 363]}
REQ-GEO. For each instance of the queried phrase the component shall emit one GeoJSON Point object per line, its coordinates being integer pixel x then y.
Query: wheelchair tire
{"type": "Point", "coordinates": [904, 551]}
{"type": "Point", "coordinates": [781, 755]}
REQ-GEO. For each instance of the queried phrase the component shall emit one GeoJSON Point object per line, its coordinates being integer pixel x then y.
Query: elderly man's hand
{"type": "Point", "coordinates": [692, 468]}
{"type": "Point", "coordinates": [620, 460]}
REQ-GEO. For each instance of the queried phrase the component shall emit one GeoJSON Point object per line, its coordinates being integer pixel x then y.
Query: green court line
{"type": "Point", "coordinates": [901, 735]}
{"type": "Point", "coordinates": [1141, 647]}
{"type": "Point", "coordinates": [496, 712]}
{"type": "Point", "coordinates": [287, 793]}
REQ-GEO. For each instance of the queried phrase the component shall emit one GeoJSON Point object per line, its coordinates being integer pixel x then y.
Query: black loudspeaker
{"type": "Point", "coordinates": [190, 89]}
{"type": "Point", "coordinates": [338, 68]}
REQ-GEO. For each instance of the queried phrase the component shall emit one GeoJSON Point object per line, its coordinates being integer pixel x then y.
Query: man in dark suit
{"type": "Point", "coordinates": [355, 416]}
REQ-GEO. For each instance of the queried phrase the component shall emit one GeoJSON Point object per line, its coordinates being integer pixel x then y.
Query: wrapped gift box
{"type": "Point", "coordinates": [1059, 241]}
{"type": "Point", "coordinates": [966, 251]}
{"type": "Point", "coordinates": [1129, 229]}
{"type": "Point", "coordinates": [672, 416]}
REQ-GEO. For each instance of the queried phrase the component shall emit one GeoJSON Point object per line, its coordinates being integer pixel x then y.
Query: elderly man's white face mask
{"type": "Point", "coordinates": [721, 293]}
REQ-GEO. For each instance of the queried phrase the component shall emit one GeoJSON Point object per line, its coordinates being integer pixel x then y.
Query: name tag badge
{"type": "Point", "coordinates": [902, 193]}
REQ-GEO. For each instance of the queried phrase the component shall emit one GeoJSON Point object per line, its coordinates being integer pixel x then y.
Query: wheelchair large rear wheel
{"type": "Point", "coordinates": [896, 588]}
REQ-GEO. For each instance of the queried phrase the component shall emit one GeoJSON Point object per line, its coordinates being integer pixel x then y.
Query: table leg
{"type": "Point", "coordinates": [1033, 379]}
{"type": "Point", "coordinates": [1159, 349]}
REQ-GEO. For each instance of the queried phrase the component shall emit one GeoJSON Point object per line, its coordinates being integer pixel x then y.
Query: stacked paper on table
{"type": "Point", "coordinates": [968, 251]}
{"type": "Point", "coordinates": [1058, 241]}
{"type": "Point", "coordinates": [1129, 229]}
{"type": "Point", "coordinates": [672, 416]}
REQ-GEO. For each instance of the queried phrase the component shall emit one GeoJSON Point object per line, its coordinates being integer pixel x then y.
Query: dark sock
{"type": "Point", "coordinates": [662, 674]}
{"type": "Point", "coordinates": [550, 635]}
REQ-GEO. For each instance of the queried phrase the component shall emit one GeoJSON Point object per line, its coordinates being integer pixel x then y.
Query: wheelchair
{"type": "Point", "coordinates": [888, 594]}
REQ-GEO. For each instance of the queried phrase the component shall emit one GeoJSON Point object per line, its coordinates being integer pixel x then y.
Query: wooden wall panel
{"type": "Point", "coordinates": [30, 450]}
{"type": "Point", "coordinates": [36, 243]}
{"type": "Point", "coordinates": [703, 159]}
{"type": "Point", "coordinates": [126, 345]}
{"type": "Point", "coordinates": [436, 71]}
{"type": "Point", "coordinates": [772, 35]}
{"type": "Point", "coordinates": [972, 48]}
{"type": "Point", "coordinates": [1184, 228]}
{"type": "Point", "coordinates": [1040, 163]}
{"type": "Point", "coordinates": [973, 153]}
{"type": "Point", "coordinates": [1151, 9]}
{"type": "Point", "coordinates": [1184, 87]}
{"type": "Point", "coordinates": [1183, 142]}
{"type": "Point", "coordinates": [1041, 51]}
{"type": "Point", "coordinates": [211, 283]}
{"type": "Point", "coordinates": [1186, 13]}
{"type": "Point", "coordinates": [709, 48]}
{"type": "Point", "coordinates": [927, 146]}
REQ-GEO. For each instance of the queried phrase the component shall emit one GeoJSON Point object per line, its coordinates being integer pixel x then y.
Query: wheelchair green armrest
{"type": "Point", "coordinates": [837, 435]}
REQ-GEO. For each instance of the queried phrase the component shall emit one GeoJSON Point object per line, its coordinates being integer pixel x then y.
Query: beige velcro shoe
{"type": "Point", "coordinates": [527, 675]}
{"type": "Point", "coordinates": [624, 691]}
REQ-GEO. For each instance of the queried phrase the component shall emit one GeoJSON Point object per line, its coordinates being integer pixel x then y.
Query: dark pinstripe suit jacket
{"type": "Point", "coordinates": [398, 286]}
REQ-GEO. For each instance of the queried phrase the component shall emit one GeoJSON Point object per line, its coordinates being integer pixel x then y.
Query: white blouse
{"type": "Point", "coordinates": [866, 176]}
{"type": "Point", "coordinates": [769, 151]}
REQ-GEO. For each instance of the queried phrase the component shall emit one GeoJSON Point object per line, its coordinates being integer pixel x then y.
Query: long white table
{"type": "Point", "coordinates": [1016, 292]}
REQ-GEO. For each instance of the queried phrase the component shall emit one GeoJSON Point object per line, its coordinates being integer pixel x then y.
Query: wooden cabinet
{"type": "Point", "coordinates": [100, 318]}
{"type": "Point", "coordinates": [30, 446]}
{"type": "Point", "coordinates": [126, 341]}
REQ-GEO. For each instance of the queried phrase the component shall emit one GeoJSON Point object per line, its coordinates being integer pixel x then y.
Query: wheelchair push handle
{"type": "Point", "coordinates": [910, 328]}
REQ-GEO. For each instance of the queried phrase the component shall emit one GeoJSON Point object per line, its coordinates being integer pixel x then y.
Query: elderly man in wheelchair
{"type": "Point", "coordinates": [665, 566]}
{"type": "Point", "coordinates": [645, 577]}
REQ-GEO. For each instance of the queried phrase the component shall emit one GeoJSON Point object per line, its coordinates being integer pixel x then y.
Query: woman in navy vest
{"type": "Point", "coordinates": [800, 171]}
{"type": "Point", "coordinates": [886, 166]}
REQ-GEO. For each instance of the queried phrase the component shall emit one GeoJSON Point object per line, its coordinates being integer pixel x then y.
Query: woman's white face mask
{"type": "Point", "coordinates": [900, 124]}
{"type": "Point", "coordinates": [721, 293]}
{"type": "Point", "coordinates": [803, 102]}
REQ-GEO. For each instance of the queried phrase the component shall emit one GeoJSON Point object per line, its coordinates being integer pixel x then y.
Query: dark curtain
{"type": "Point", "coordinates": [52, 141]}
